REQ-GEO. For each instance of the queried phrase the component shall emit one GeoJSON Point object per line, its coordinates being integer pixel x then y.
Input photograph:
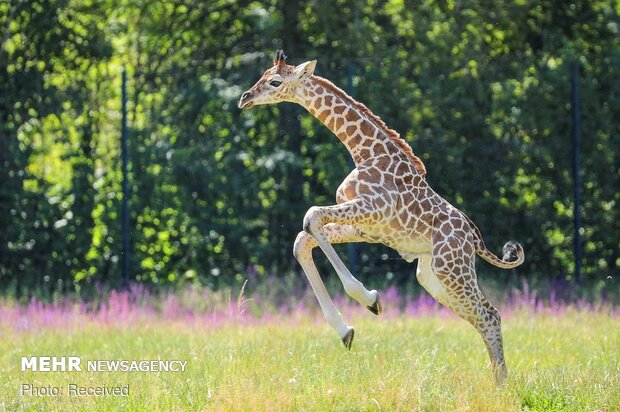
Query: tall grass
{"type": "Point", "coordinates": [201, 305]}
{"type": "Point", "coordinates": [247, 353]}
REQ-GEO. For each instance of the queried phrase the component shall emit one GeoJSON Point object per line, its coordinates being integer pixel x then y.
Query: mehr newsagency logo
{"type": "Point", "coordinates": [76, 364]}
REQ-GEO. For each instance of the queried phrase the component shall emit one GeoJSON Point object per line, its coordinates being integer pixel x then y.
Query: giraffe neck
{"type": "Point", "coordinates": [364, 134]}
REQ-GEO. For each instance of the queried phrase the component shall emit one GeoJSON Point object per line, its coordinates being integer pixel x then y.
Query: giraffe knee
{"type": "Point", "coordinates": [354, 288]}
{"type": "Point", "coordinates": [304, 242]}
{"type": "Point", "coordinates": [312, 219]}
{"type": "Point", "coordinates": [492, 314]}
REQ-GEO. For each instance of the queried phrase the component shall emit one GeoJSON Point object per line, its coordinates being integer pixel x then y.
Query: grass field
{"type": "Point", "coordinates": [559, 359]}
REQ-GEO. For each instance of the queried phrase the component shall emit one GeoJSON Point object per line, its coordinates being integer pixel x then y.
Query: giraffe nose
{"type": "Point", "coordinates": [244, 98]}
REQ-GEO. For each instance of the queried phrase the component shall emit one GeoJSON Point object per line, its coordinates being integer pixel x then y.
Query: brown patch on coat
{"type": "Point", "coordinates": [354, 141]}
{"type": "Point", "coordinates": [323, 115]}
{"type": "Point", "coordinates": [366, 128]}
{"type": "Point", "coordinates": [352, 116]}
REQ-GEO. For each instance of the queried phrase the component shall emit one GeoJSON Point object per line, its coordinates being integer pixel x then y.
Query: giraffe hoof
{"type": "Point", "coordinates": [376, 307]}
{"type": "Point", "coordinates": [347, 340]}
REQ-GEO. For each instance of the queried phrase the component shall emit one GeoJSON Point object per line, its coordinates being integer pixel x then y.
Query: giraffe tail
{"type": "Point", "coordinates": [513, 255]}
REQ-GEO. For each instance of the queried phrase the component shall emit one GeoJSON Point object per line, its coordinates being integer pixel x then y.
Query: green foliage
{"type": "Point", "coordinates": [480, 90]}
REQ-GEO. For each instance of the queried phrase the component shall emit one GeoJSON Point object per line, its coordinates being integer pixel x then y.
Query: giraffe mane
{"type": "Point", "coordinates": [377, 121]}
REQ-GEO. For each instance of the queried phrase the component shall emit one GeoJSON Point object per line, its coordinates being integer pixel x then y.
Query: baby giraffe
{"type": "Point", "coordinates": [387, 200]}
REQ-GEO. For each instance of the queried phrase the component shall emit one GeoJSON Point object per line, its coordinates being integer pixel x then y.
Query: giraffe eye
{"type": "Point", "coordinates": [275, 83]}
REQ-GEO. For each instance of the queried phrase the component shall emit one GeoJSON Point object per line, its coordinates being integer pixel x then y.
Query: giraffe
{"type": "Point", "coordinates": [385, 199]}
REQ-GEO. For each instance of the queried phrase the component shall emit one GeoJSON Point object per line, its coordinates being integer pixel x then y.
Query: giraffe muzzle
{"type": "Point", "coordinates": [245, 102]}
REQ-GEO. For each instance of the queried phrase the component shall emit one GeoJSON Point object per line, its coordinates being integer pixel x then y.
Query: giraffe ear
{"type": "Point", "coordinates": [304, 70]}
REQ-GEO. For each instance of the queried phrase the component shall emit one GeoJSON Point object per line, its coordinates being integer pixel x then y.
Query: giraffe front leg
{"type": "Point", "coordinates": [303, 253]}
{"type": "Point", "coordinates": [349, 213]}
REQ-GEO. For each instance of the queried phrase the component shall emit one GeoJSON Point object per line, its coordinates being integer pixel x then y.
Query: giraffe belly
{"type": "Point", "coordinates": [408, 246]}
{"type": "Point", "coordinates": [412, 249]}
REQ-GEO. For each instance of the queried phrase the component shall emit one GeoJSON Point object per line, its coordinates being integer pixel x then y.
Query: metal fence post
{"type": "Point", "coordinates": [125, 184]}
{"type": "Point", "coordinates": [576, 178]}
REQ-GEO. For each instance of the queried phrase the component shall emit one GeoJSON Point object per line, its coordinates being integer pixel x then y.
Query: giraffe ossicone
{"type": "Point", "coordinates": [387, 200]}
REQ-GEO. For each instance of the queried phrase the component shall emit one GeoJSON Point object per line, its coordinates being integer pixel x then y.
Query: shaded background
{"type": "Point", "coordinates": [480, 89]}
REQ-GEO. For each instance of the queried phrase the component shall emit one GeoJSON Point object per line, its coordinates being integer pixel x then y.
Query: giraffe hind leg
{"type": "Point", "coordinates": [467, 301]}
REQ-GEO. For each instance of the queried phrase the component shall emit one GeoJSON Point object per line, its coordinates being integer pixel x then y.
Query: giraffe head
{"type": "Point", "coordinates": [280, 83]}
